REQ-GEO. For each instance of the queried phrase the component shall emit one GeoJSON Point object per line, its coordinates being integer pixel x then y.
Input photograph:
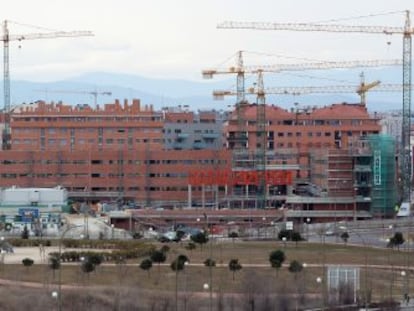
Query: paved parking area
{"type": "Point", "coordinates": [34, 253]}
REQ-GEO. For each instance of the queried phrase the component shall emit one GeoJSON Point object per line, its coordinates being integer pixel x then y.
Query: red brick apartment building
{"type": "Point", "coordinates": [114, 152]}
{"type": "Point", "coordinates": [118, 152]}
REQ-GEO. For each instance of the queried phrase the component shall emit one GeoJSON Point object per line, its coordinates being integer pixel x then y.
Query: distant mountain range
{"type": "Point", "coordinates": [198, 95]}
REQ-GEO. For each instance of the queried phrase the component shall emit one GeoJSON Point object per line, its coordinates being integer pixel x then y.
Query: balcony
{"type": "Point", "coordinates": [210, 136]}
{"type": "Point", "coordinates": [199, 145]}
{"type": "Point", "coordinates": [182, 135]}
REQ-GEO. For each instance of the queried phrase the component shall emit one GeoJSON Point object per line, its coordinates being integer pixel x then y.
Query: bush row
{"type": "Point", "coordinates": [17, 242]}
{"type": "Point", "coordinates": [102, 244]}
{"type": "Point", "coordinates": [114, 255]}
{"type": "Point", "coordinates": [71, 243]}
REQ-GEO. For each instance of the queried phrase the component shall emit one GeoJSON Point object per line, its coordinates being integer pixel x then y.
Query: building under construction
{"type": "Point", "coordinates": [321, 162]}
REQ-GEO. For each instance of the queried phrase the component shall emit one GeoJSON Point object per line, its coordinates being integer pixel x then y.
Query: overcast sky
{"type": "Point", "coordinates": [177, 39]}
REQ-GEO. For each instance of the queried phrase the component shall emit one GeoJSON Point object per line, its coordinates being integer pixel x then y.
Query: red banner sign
{"type": "Point", "coordinates": [227, 177]}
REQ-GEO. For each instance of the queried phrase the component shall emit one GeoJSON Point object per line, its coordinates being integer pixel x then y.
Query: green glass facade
{"type": "Point", "coordinates": [384, 190]}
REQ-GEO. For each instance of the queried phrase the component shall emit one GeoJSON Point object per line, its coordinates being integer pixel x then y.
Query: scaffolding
{"type": "Point", "coordinates": [384, 186]}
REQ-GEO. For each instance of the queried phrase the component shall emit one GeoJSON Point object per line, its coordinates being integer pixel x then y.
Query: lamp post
{"type": "Point", "coordinates": [319, 282]}
{"type": "Point", "coordinates": [86, 224]}
{"type": "Point", "coordinates": [55, 296]}
{"type": "Point", "coordinates": [392, 270]}
{"type": "Point", "coordinates": [185, 285]}
{"type": "Point", "coordinates": [284, 241]}
{"type": "Point", "coordinates": [2, 253]}
{"type": "Point", "coordinates": [366, 266]}
{"type": "Point", "coordinates": [307, 227]}
{"type": "Point", "coordinates": [206, 287]}
{"type": "Point", "coordinates": [59, 293]}
{"type": "Point", "coordinates": [82, 260]}
{"type": "Point", "coordinates": [210, 266]}
{"type": "Point", "coordinates": [355, 203]}
{"type": "Point", "coordinates": [264, 226]}
{"type": "Point", "coordinates": [404, 276]}
{"type": "Point", "coordinates": [2, 258]}
{"type": "Point", "coordinates": [304, 265]}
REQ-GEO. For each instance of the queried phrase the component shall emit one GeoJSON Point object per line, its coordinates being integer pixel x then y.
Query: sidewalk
{"type": "Point", "coordinates": [28, 252]}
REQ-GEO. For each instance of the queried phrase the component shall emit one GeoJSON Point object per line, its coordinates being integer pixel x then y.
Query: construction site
{"type": "Point", "coordinates": [317, 163]}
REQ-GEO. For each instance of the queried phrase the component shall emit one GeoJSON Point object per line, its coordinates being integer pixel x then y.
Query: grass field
{"type": "Point", "coordinates": [380, 272]}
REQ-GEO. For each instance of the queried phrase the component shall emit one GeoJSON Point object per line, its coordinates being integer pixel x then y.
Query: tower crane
{"type": "Point", "coordinates": [93, 93]}
{"type": "Point", "coordinates": [407, 31]}
{"type": "Point", "coordinates": [240, 69]}
{"type": "Point", "coordinates": [291, 90]}
{"type": "Point", "coordinates": [7, 37]}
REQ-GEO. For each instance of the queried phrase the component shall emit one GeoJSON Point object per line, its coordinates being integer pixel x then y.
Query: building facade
{"type": "Point", "coordinates": [176, 158]}
{"type": "Point", "coordinates": [184, 129]}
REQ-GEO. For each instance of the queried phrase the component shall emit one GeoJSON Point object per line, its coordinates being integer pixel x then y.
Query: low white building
{"type": "Point", "coordinates": [39, 209]}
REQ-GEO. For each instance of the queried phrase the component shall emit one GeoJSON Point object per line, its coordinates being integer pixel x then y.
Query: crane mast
{"type": "Point", "coordinates": [6, 143]}
{"type": "Point", "coordinates": [406, 166]}
{"type": "Point", "coordinates": [6, 85]}
{"type": "Point", "coordinates": [241, 137]}
{"type": "Point", "coordinates": [261, 136]}
{"type": "Point", "coordinates": [406, 31]}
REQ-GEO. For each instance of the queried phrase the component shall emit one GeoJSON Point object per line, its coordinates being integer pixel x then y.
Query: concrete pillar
{"type": "Point", "coordinates": [203, 196]}
{"type": "Point", "coordinates": [189, 199]}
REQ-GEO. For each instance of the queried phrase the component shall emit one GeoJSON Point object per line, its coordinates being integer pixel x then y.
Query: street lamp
{"type": "Point", "coordinates": [388, 240]}
{"type": "Point", "coordinates": [210, 266]}
{"type": "Point", "coordinates": [82, 260]}
{"type": "Point", "coordinates": [55, 295]}
{"type": "Point", "coordinates": [355, 203]}
{"type": "Point", "coordinates": [206, 287]}
{"type": "Point", "coordinates": [366, 265]}
{"type": "Point", "coordinates": [319, 282]}
{"type": "Point", "coordinates": [2, 252]}
{"type": "Point", "coordinates": [185, 285]}
{"type": "Point", "coordinates": [304, 265]}
{"type": "Point", "coordinates": [404, 276]}
{"type": "Point", "coordinates": [59, 293]}
{"type": "Point", "coordinates": [307, 227]}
